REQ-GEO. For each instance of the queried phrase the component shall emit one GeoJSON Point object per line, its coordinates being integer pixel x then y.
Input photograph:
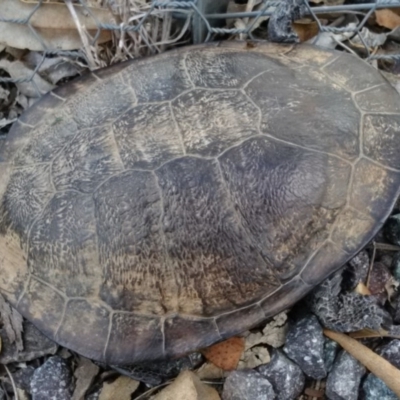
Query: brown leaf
{"type": "Point", "coordinates": [305, 30]}
{"type": "Point", "coordinates": [362, 289]}
{"type": "Point", "coordinates": [121, 389]}
{"type": "Point", "coordinates": [226, 354]}
{"type": "Point", "coordinates": [387, 18]}
{"type": "Point", "coordinates": [380, 367]}
{"type": "Point", "coordinates": [84, 374]}
{"type": "Point", "coordinates": [187, 386]}
{"type": "Point", "coordinates": [368, 333]}
{"type": "Point", "coordinates": [52, 22]}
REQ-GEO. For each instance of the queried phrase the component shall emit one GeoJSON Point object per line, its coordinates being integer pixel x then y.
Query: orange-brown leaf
{"type": "Point", "coordinates": [387, 18]}
{"type": "Point", "coordinates": [225, 355]}
{"type": "Point", "coordinates": [305, 31]}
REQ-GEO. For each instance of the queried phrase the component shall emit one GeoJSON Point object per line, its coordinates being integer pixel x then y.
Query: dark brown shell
{"type": "Point", "coordinates": [161, 205]}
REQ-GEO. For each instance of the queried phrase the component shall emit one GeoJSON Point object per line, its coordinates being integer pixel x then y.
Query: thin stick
{"type": "Point", "coordinates": [85, 42]}
{"type": "Point", "coordinates": [12, 382]}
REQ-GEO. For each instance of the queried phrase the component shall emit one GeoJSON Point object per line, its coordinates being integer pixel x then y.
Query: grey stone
{"type": "Point", "coordinates": [305, 346]}
{"type": "Point", "coordinates": [286, 377]}
{"type": "Point", "coordinates": [356, 271]}
{"type": "Point", "coordinates": [343, 382]}
{"type": "Point", "coordinates": [391, 229]}
{"type": "Point", "coordinates": [345, 312]}
{"type": "Point", "coordinates": [35, 345]}
{"type": "Point", "coordinates": [247, 385]}
{"type": "Point", "coordinates": [52, 380]}
{"type": "Point", "coordinates": [375, 389]}
{"type": "Point", "coordinates": [395, 267]}
{"type": "Point", "coordinates": [391, 352]}
{"type": "Point", "coordinates": [2, 394]}
{"type": "Point", "coordinates": [23, 377]}
{"type": "Point", "coordinates": [330, 351]}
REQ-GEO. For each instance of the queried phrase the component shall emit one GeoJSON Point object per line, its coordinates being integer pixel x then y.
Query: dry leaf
{"type": "Point", "coordinates": [17, 70]}
{"type": "Point", "coordinates": [380, 367]}
{"type": "Point", "coordinates": [275, 331]}
{"type": "Point", "coordinates": [53, 69]}
{"type": "Point", "coordinates": [226, 354]}
{"type": "Point", "coordinates": [387, 18]}
{"type": "Point", "coordinates": [305, 30]}
{"type": "Point", "coordinates": [187, 386]}
{"type": "Point", "coordinates": [329, 39]}
{"type": "Point", "coordinates": [12, 321]}
{"type": "Point", "coordinates": [210, 371]}
{"type": "Point", "coordinates": [121, 389]}
{"type": "Point", "coordinates": [371, 39]}
{"type": "Point", "coordinates": [254, 357]}
{"type": "Point", "coordinates": [362, 289]}
{"type": "Point", "coordinates": [54, 24]}
{"type": "Point", "coordinates": [22, 394]}
{"type": "Point", "coordinates": [84, 374]}
{"type": "Point", "coordinates": [368, 333]}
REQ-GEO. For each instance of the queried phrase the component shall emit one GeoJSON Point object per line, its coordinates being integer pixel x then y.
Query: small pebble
{"type": "Point", "coordinates": [247, 385]}
{"type": "Point", "coordinates": [356, 271]}
{"type": "Point", "coordinates": [22, 378]}
{"type": "Point", "coordinates": [395, 267]}
{"type": "Point", "coordinates": [343, 381]}
{"type": "Point", "coordinates": [52, 380]}
{"type": "Point", "coordinates": [375, 388]}
{"type": "Point", "coordinates": [391, 352]}
{"type": "Point", "coordinates": [286, 377]}
{"type": "Point", "coordinates": [330, 351]}
{"type": "Point", "coordinates": [305, 346]}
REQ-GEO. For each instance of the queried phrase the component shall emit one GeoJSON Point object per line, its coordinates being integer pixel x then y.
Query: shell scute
{"type": "Point", "coordinates": [100, 102]}
{"type": "Point", "coordinates": [161, 80]}
{"type": "Point", "coordinates": [373, 189]}
{"type": "Point", "coordinates": [202, 333]}
{"type": "Point", "coordinates": [144, 142]}
{"type": "Point", "coordinates": [142, 338]}
{"type": "Point", "coordinates": [352, 73]}
{"type": "Point", "coordinates": [298, 106]}
{"type": "Point", "coordinates": [63, 246]}
{"type": "Point", "coordinates": [87, 161]}
{"type": "Point", "coordinates": [199, 220]}
{"type": "Point", "coordinates": [135, 273]}
{"type": "Point", "coordinates": [42, 304]}
{"type": "Point", "coordinates": [85, 320]}
{"type": "Point", "coordinates": [370, 100]}
{"type": "Point", "coordinates": [207, 131]}
{"type": "Point", "coordinates": [278, 177]}
{"type": "Point", "coordinates": [225, 69]}
{"type": "Point", "coordinates": [382, 139]}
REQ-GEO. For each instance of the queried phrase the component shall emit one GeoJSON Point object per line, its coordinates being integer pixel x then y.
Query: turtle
{"type": "Point", "coordinates": [163, 204]}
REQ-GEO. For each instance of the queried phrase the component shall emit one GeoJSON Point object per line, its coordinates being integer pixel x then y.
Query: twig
{"type": "Point", "coordinates": [85, 42]}
{"type": "Point", "coordinates": [371, 264]}
{"type": "Point", "coordinates": [152, 390]}
{"type": "Point", "coordinates": [12, 382]}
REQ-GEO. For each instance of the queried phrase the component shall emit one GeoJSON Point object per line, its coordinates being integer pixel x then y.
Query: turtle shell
{"type": "Point", "coordinates": [163, 204]}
